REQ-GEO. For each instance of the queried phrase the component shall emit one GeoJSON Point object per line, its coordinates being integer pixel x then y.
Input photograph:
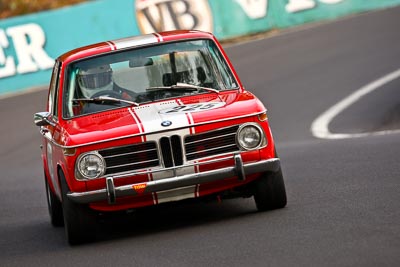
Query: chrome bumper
{"type": "Point", "coordinates": [110, 193]}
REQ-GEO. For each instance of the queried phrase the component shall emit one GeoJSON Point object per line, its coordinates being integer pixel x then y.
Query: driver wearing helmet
{"type": "Point", "coordinates": [98, 81]}
{"type": "Point", "coordinates": [95, 80]}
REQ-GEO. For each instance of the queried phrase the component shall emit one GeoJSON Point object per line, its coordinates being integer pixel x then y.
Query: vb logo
{"type": "Point", "coordinates": [165, 15]}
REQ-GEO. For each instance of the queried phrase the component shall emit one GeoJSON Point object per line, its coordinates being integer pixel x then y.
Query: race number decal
{"type": "Point", "coordinates": [193, 108]}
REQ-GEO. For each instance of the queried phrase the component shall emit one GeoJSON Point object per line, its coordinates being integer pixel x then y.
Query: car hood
{"type": "Point", "coordinates": [159, 117]}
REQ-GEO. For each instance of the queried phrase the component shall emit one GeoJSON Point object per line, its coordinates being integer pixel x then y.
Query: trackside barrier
{"type": "Point", "coordinates": [29, 44]}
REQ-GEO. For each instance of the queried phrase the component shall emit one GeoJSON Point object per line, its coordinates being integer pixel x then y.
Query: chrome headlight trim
{"type": "Point", "coordinates": [90, 156]}
{"type": "Point", "coordinates": [257, 130]}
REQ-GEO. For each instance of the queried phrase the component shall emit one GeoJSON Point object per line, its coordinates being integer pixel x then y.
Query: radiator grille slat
{"type": "Point", "coordinates": [211, 143]}
{"type": "Point", "coordinates": [171, 151]}
{"type": "Point", "coordinates": [166, 152]}
{"type": "Point", "coordinates": [130, 157]}
{"type": "Point", "coordinates": [176, 144]}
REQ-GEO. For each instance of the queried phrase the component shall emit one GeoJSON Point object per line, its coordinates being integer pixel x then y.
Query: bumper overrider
{"type": "Point", "coordinates": [111, 193]}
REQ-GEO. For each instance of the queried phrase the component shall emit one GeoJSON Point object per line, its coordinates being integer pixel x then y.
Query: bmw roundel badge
{"type": "Point", "coordinates": [166, 123]}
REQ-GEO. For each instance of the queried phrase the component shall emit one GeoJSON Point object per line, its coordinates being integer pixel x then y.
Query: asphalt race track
{"type": "Point", "coordinates": [343, 193]}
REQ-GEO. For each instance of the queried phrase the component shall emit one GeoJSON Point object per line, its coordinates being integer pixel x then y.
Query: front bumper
{"type": "Point", "coordinates": [111, 193]}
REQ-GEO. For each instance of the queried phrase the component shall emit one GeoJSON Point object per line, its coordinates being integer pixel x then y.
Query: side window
{"type": "Point", "coordinates": [53, 94]}
{"type": "Point", "coordinates": [223, 68]}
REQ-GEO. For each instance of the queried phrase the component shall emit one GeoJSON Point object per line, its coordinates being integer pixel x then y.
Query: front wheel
{"type": "Point", "coordinates": [78, 219]}
{"type": "Point", "coordinates": [55, 207]}
{"type": "Point", "coordinates": [270, 192]}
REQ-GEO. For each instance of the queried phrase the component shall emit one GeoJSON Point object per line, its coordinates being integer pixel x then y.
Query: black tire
{"type": "Point", "coordinates": [55, 207]}
{"type": "Point", "coordinates": [79, 220]}
{"type": "Point", "coordinates": [270, 192]}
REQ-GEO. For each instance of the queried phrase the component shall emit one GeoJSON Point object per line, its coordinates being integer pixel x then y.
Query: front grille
{"type": "Point", "coordinates": [211, 143]}
{"type": "Point", "coordinates": [131, 157]}
{"type": "Point", "coordinates": [171, 151]}
{"type": "Point", "coordinates": [146, 155]}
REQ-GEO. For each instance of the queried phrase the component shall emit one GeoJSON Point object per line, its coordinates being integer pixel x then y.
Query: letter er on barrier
{"type": "Point", "coordinates": [7, 62]}
{"type": "Point", "coordinates": [31, 55]}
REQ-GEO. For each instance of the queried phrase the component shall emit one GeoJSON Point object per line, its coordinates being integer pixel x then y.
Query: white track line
{"type": "Point", "coordinates": [320, 129]}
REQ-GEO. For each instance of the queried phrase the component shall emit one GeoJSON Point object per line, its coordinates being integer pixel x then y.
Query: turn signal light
{"type": "Point", "coordinates": [263, 116]}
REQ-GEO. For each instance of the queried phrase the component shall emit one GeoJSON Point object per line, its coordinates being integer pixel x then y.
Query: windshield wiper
{"type": "Point", "coordinates": [182, 86]}
{"type": "Point", "coordinates": [105, 100]}
{"type": "Point", "coordinates": [186, 85]}
{"type": "Point", "coordinates": [173, 87]}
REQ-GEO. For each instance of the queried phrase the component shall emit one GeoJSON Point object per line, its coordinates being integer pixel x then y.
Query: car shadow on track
{"type": "Point", "coordinates": [169, 217]}
{"type": "Point", "coordinates": [40, 238]}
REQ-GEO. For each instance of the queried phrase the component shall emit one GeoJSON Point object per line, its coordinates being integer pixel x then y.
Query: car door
{"type": "Point", "coordinates": [51, 131]}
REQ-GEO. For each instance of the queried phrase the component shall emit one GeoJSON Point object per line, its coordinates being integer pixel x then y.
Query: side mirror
{"type": "Point", "coordinates": [42, 119]}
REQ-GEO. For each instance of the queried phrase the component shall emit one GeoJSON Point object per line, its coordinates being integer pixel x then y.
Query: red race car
{"type": "Point", "coordinates": [151, 119]}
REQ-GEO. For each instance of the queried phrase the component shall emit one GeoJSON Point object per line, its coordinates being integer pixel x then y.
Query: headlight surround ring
{"type": "Point", "coordinates": [90, 165]}
{"type": "Point", "coordinates": [250, 136]}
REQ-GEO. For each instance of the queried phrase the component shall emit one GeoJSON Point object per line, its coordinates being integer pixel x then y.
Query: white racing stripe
{"type": "Point", "coordinates": [133, 41]}
{"type": "Point", "coordinates": [138, 123]}
{"type": "Point", "coordinates": [320, 126]}
{"type": "Point", "coordinates": [151, 118]}
{"type": "Point", "coordinates": [159, 36]}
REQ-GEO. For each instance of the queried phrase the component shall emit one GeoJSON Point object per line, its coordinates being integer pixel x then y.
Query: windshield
{"type": "Point", "coordinates": [144, 75]}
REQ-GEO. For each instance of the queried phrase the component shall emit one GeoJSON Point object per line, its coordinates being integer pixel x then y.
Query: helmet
{"type": "Point", "coordinates": [95, 80]}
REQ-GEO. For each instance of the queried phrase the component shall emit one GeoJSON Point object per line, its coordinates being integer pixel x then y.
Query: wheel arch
{"type": "Point", "coordinates": [60, 172]}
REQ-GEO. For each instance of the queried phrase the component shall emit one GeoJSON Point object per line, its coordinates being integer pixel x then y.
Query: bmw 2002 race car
{"type": "Point", "coordinates": [150, 119]}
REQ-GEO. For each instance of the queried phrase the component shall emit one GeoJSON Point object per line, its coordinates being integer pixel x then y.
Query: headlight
{"type": "Point", "coordinates": [250, 136]}
{"type": "Point", "coordinates": [91, 165]}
